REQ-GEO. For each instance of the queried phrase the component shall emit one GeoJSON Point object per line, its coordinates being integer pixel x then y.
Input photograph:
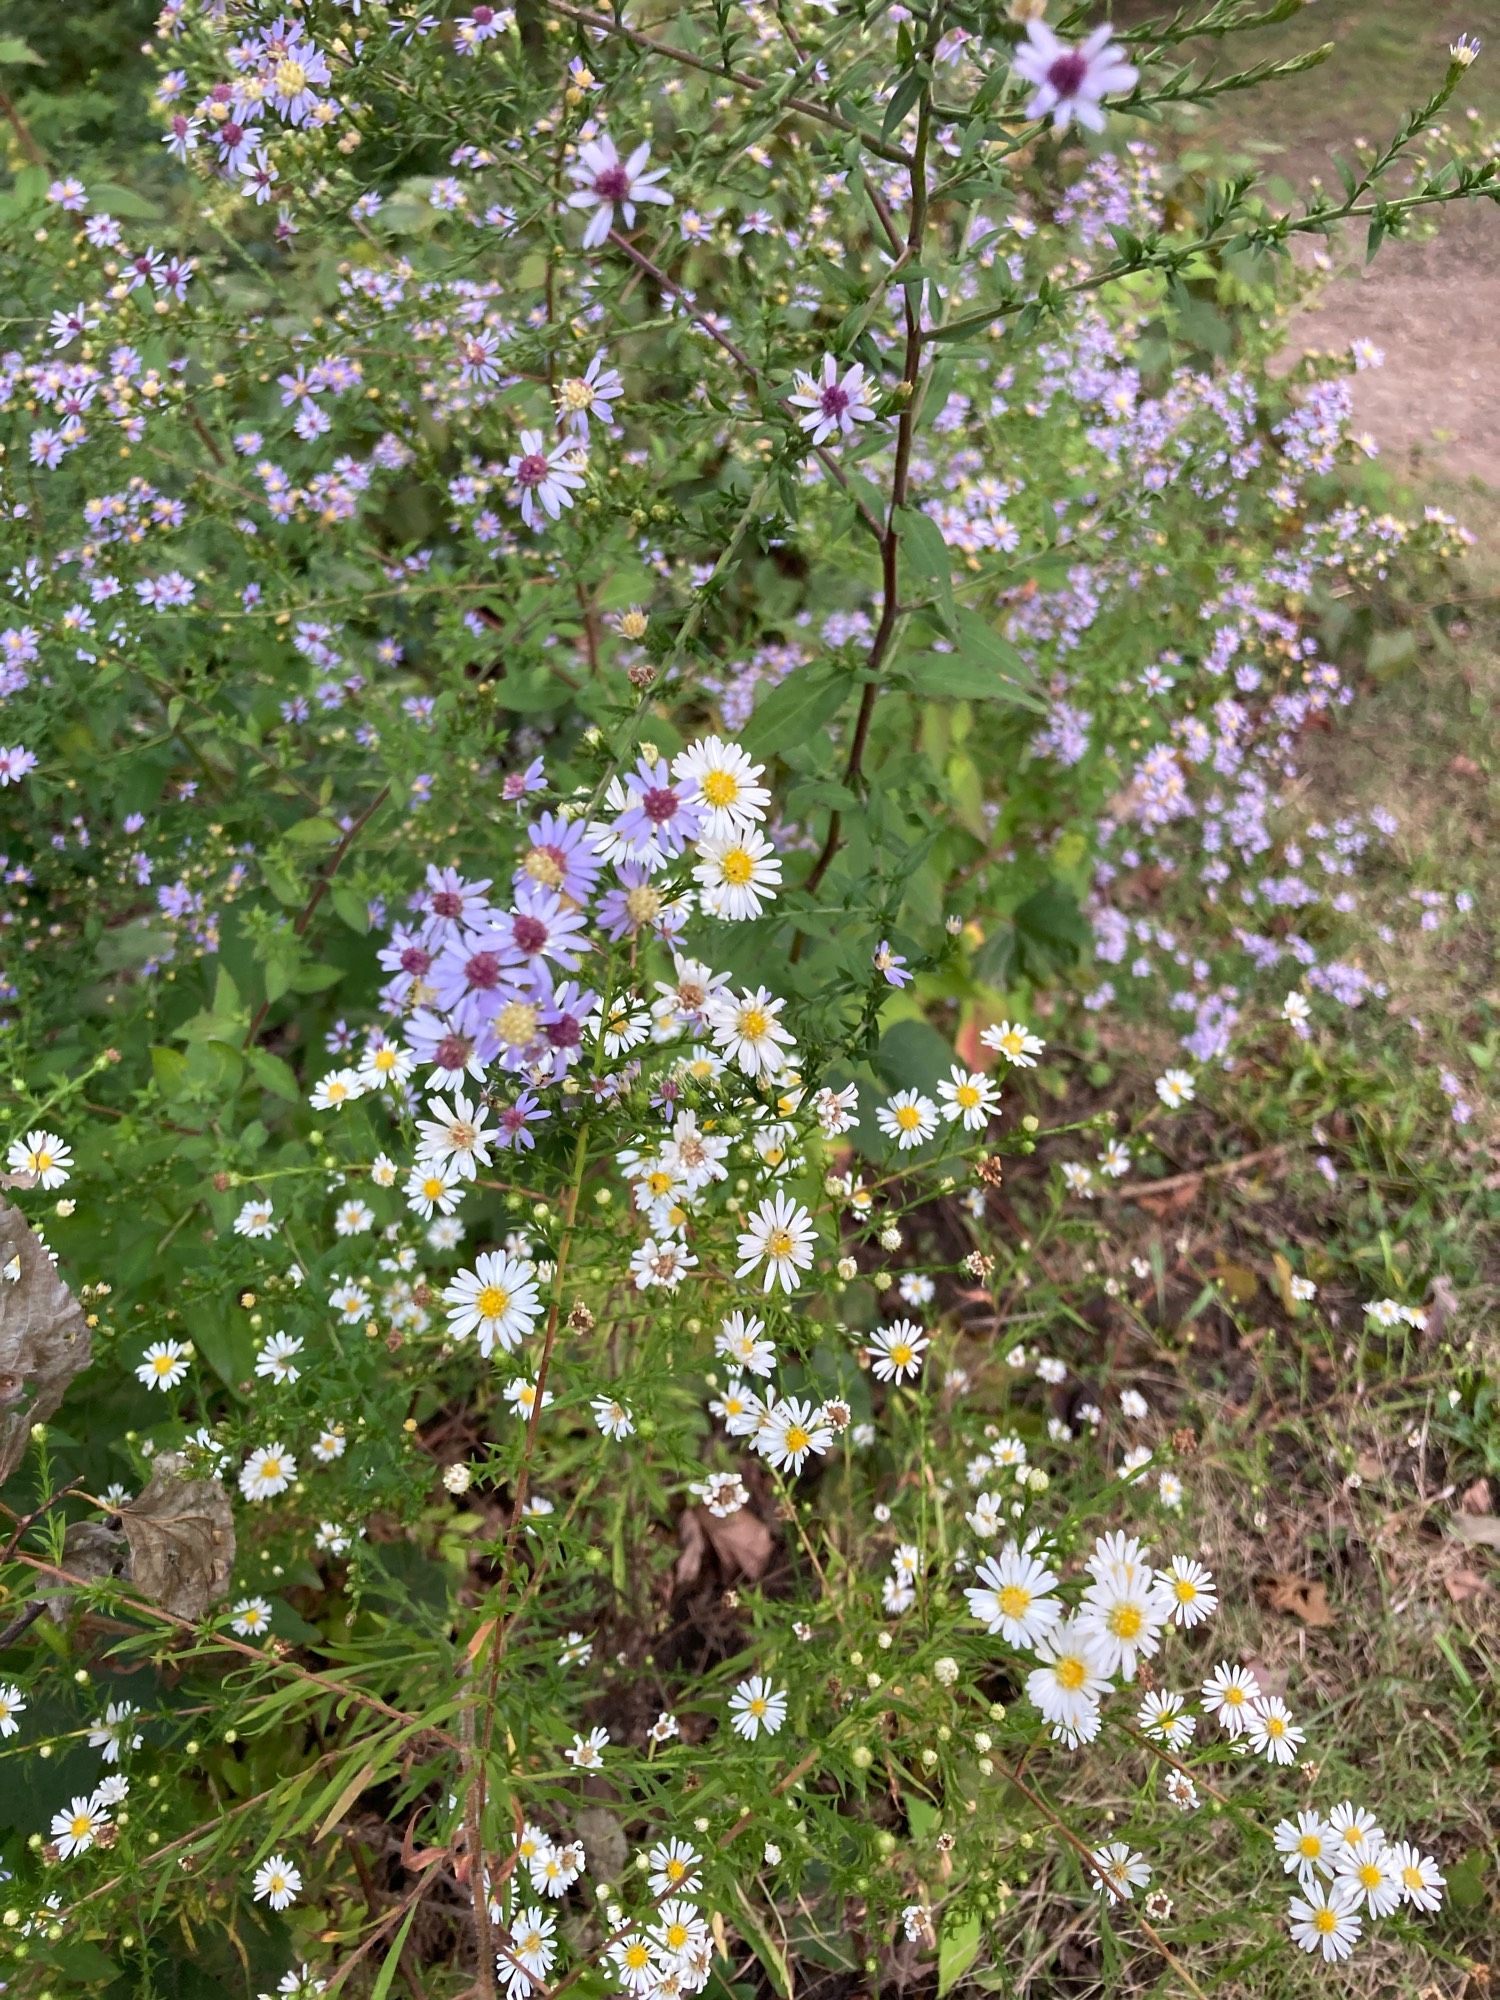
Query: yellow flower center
{"type": "Point", "coordinates": [1125, 1621]}
{"type": "Point", "coordinates": [432, 1187]}
{"type": "Point", "coordinates": [736, 867]}
{"type": "Point", "coordinates": [1234, 1697]}
{"type": "Point", "coordinates": [1309, 1846]}
{"type": "Point", "coordinates": [385, 1059]}
{"type": "Point", "coordinates": [1275, 1726]}
{"type": "Point", "coordinates": [902, 1354]}
{"type": "Point", "coordinates": [1071, 1672]}
{"type": "Point", "coordinates": [1325, 1921]}
{"type": "Point", "coordinates": [779, 1243]}
{"type": "Point", "coordinates": [80, 1825]}
{"type": "Point", "coordinates": [966, 1096]}
{"type": "Point", "coordinates": [908, 1118]}
{"type": "Point", "coordinates": [544, 868]}
{"type": "Point", "coordinates": [1015, 1600]}
{"type": "Point", "coordinates": [1369, 1876]}
{"type": "Point", "coordinates": [271, 1469]}
{"type": "Point", "coordinates": [1412, 1877]}
{"type": "Point", "coordinates": [291, 77]}
{"type": "Point", "coordinates": [41, 1162]}
{"type": "Point", "coordinates": [637, 1957]}
{"type": "Point", "coordinates": [797, 1439]}
{"type": "Point", "coordinates": [643, 905]}
{"type": "Point", "coordinates": [516, 1024]}
{"type": "Point", "coordinates": [677, 1936]}
{"type": "Point", "coordinates": [753, 1023]}
{"type": "Point", "coordinates": [492, 1301]}
{"type": "Point", "coordinates": [164, 1364]}
{"type": "Point", "coordinates": [720, 788]}
{"type": "Point", "coordinates": [1184, 1590]}
{"type": "Point", "coordinates": [576, 394]}
{"type": "Point", "coordinates": [676, 1869]}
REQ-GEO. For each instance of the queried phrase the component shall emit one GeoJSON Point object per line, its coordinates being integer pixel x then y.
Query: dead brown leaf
{"type": "Point", "coordinates": [181, 1536]}
{"type": "Point", "coordinates": [741, 1544]}
{"type": "Point", "coordinates": [1483, 1529]}
{"type": "Point", "coordinates": [1464, 1584]}
{"type": "Point", "coordinates": [1477, 1499]}
{"type": "Point", "coordinates": [44, 1338]}
{"type": "Point", "coordinates": [1299, 1597]}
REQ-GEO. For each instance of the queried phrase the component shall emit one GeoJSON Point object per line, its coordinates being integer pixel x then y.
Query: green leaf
{"type": "Point", "coordinates": [351, 906]}
{"type": "Point", "coordinates": [110, 198]}
{"type": "Point", "coordinates": [272, 1074]}
{"type": "Point", "coordinates": [924, 551]}
{"type": "Point", "coordinates": [315, 832]}
{"type": "Point", "coordinates": [388, 1970]}
{"type": "Point", "coordinates": [169, 1068]}
{"type": "Point", "coordinates": [14, 50]}
{"type": "Point", "coordinates": [794, 711]}
{"type": "Point", "coordinates": [958, 1947]}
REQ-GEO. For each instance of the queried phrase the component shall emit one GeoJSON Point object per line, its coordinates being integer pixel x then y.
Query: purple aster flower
{"type": "Point", "coordinates": [1071, 81]}
{"type": "Point", "coordinates": [660, 813]}
{"type": "Point", "coordinates": [560, 858]}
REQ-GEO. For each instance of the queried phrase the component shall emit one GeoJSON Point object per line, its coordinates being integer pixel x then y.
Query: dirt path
{"type": "Point", "coordinates": [1434, 308]}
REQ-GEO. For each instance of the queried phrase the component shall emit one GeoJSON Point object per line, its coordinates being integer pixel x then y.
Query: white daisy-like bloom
{"type": "Point", "coordinates": [742, 1339]}
{"type": "Point", "coordinates": [1069, 82]}
{"type": "Point", "coordinates": [1296, 1011]}
{"type": "Point", "coordinates": [674, 1866]}
{"type": "Point", "coordinates": [338, 1088]}
{"type": "Point", "coordinates": [1126, 1610]}
{"type": "Point", "coordinates": [635, 1963]}
{"type": "Point", "coordinates": [780, 1235]}
{"type": "Point", "coordinates": [970, 1096]}
{"type": "Point", "coordinates": [498, 1301]}
{"type": "Point", "coordinates": [724, 784]}
{"type": "Point", "coordinates": [1326, 1920]}
{"type": "Point", "coordinates": [613, 1419]}
{"type": "Point", "coordinates": [556, 1869]}
{"type": "Point", "coordinates": [43, 1154]}
{"type": "Point", "coordinates": [1175, 1087]}
{"type": "Point", "coordinates": [604, 182]}
{"type": "Point", "coordinates": [164, 1364]}
{"type": "Point", "coordinates": [834, 403]}
{"type": "Point", "coordinates": [909, 1118]}
{"type": "Point", "coordinates": [757, 1708]}
{"type": "Point", "coordinates": [277, 1358]}
{"type": "Point", "coordinates": [349, 1300]}
{"type": "Point", "coordinates": [990, 1512]}
{"type": "Point", "coordinates": [1358, 1830]}
{"type": "Point", "coordinates": [1307, 1846]}
{"type": "Point", "coordinates": [352, 1218]}
{"type": "Point", "coordinates": [739, 1409]}
{"type": "Point", "coordinates": [383, 1170]}
{"type": "Point", "coordinates": [455, 1133]}
{"type": "Point", "coordinates": [522, 1394]}
{"type": "Point", "coordinates": [75, 1830]}
{"type": "Point", "coordinates": [251, 1617]}
{"type": "Point", "coordinates": [1007, 1453]}
{"type": "Point", "coordinates": [792, 1430]}
{"type": "Point", "coordinates": [665, 1262]}
{"type": "Point", "coordinates": [679, 1932]}
{"type": "Point", "coordinates": [12, 1704]}
{"type": "Point", "coordinates": [109, 1735]}
{"type": "Point", "coordinates": [1192, 1591]}
{"type": "Point", "coordinates": [532, 1948]}
{"type": "Point", "coordinates": [1115, 1554]}
{"type": "Point", "coordinates": [1014, 1596]}
{"type": "Point", "coordinates": [697, 1156]}
{"type": "Point", "coordinates": [384, 1062]}
{"type": "Point", "coordinates": [1422, 1881]}
{"type": "Point", "coordinates": [1121, 1871]}
{"type": "Point", "coordinates": [737, 874]}
{"type": "Point", "coordinates": [748, 1031]}
{"type": "Point", "coordinates": [1373, 1875]}
{"type": "Point", "coordinates": [268, 1470]}
{"type": "Point", "coordinates": [1164, 1717]}
{"type": "Point", "coordinates": [546, 476]}
{"type": "Point", "coordinates": [1013, 1041]}
{"type": "Point", "coordinates": [277, 1882]}
{"type": "Point", "coordinates": [1271, 1731]}
{"type": "Point", "coordinates": [837, 1110]}
{"type": "Point", "coordinates": [1070, 1681]}
{"type": "Point", "coordinates": [330, 1444]}
{"type": "Point", "coordinates": [896, 1351]}
{"type": "Point", "coordinates": [588, 1751]}
{"type": "Point", "coordinates": [432, 1189]}
{"type": "Point", "coordinates": [1229, 1694]}
{"type": "Point", "coordinates": [255, 1219]}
